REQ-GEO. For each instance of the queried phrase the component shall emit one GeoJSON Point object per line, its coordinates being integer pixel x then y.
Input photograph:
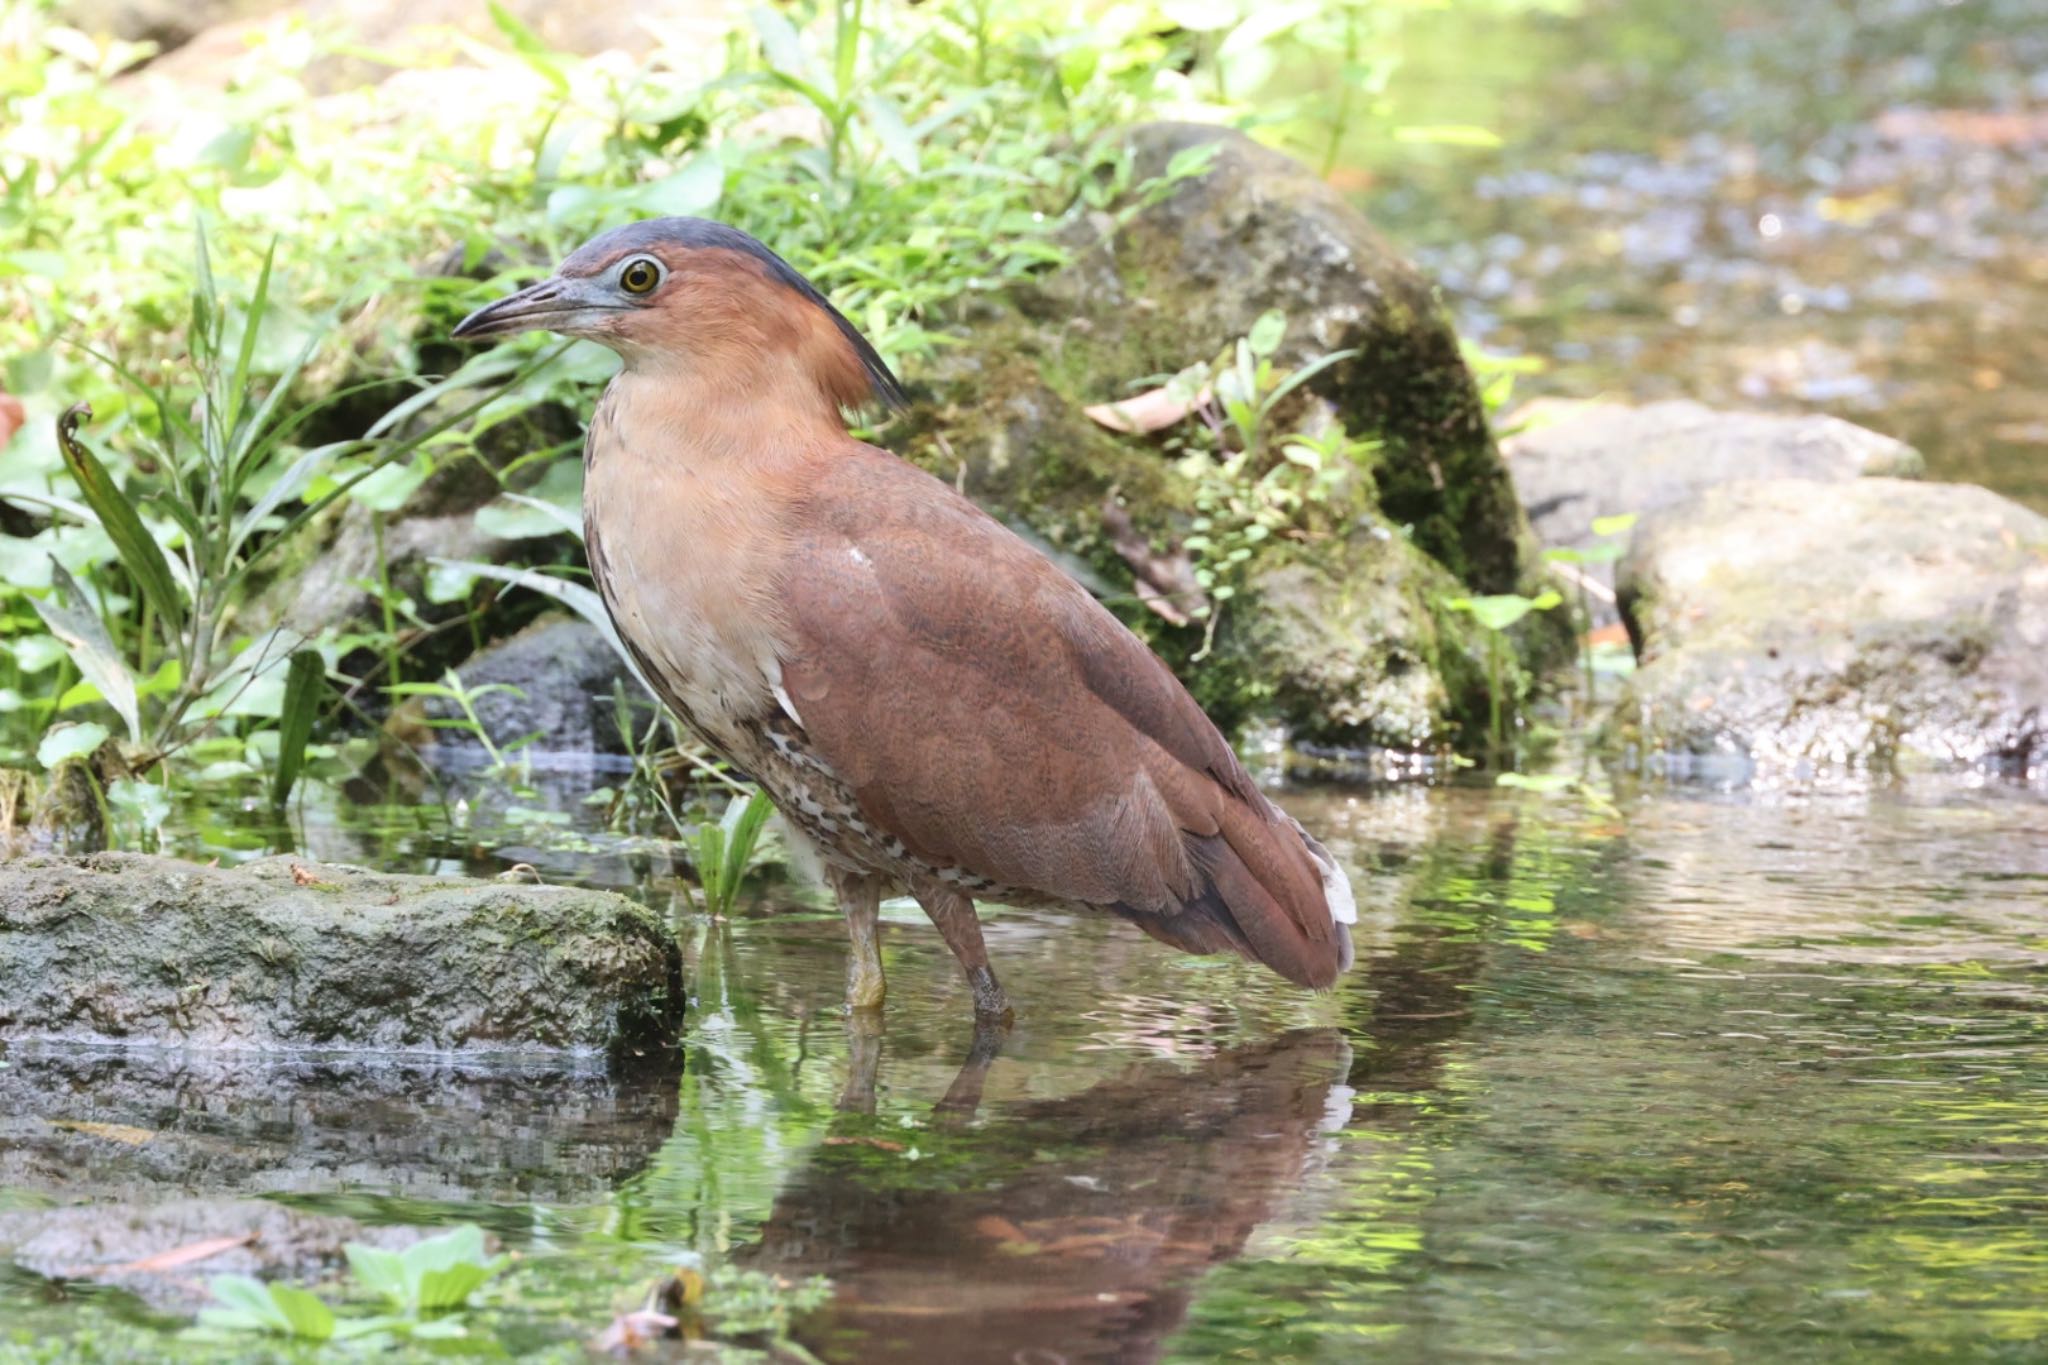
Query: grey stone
{"type": "Point", "coordinates": [1574, 462]}
{"type": "Point", "coordinates": [564, 673]}
{"type": "Point", "coordinates": [1878, 625]}
{"type": "Point", "coordinates": [281, 953]}
{"type": "Point", "coordinates": [113, 1244]}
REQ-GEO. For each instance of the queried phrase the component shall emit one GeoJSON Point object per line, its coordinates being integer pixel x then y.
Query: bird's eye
{"type": "Point", "coordinates": [640, 276]}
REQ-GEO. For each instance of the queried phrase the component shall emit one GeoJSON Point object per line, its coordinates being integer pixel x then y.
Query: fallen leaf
{"type": "Point", "coordinates": [113, 1132]}
{"type": "Point", "coordinates": [1153, 410]}
{"type": "Point", "coordinates": [185, 1255]}
{"type": "Point", "coordinates": [880, 1144]}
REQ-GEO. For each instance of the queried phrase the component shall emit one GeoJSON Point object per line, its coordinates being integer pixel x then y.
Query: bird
{"type": "Point", "coordinates": [933, 705]}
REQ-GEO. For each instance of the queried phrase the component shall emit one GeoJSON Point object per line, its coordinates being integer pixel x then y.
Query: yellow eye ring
{"type": "Point", "coordinates": [640, 276]}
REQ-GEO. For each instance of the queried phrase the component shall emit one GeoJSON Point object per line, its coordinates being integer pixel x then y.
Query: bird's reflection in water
{"type": "Point", "coordinates": [1048, 1231]}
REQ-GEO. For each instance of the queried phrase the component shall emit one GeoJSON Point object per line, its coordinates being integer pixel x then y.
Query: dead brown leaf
{"type": "Point", "coordinates": [204, 1249]}
{"type": "Point", "coordinates": [1147, 412]}
{"type": "Point", "coordinates": [879, 1144]}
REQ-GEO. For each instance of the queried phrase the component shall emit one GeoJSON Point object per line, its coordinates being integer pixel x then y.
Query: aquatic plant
{"type": "Point", "coordinates": [1497, 614]}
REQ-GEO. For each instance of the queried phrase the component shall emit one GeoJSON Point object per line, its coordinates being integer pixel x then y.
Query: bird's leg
{"type": "Point", "coordinates": [860, 900]}
{"type": "Point", "coordinates": [954, 914]}
{"type": "Point", "coordinates": [963, 1097]}
{"type": "Point", "coordinates": [863, 1061]}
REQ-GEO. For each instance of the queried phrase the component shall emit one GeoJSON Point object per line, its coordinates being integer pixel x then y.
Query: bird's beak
{"type": "Point", "coordinates": [556, 304]}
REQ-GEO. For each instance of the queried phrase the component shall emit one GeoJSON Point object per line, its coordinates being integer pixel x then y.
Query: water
{"type": "Point", "coordinates": [1832, 207]}
{"type": "Point", "coordinates": [1757, 1077]}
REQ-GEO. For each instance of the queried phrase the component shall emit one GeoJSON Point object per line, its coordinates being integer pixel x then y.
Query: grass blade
{"type": "Point", "coordinates": [302, 686]}
{"type": "Point", "coordinates": [140, 555]}
{"type": "Point", "coordinates": [72, 621]}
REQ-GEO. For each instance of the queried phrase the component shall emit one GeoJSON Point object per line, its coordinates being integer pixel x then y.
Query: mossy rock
{"type": "Point", "coordinates": [1338, 631]}
{"type": "Point", "coordinates": [285, 953]}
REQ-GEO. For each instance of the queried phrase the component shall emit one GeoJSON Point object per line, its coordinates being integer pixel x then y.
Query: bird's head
{"type": "Point", "coordinates": [698, 298]}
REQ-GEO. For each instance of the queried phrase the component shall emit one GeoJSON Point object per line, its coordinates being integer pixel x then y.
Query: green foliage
{"type": "Point", "coordinates": [725, 849]}
{"type": "Point", "coordinates": [424, 1285]}
{"type": "Point", "coordinates": [436, 1275]}
{"type": "Point", "coordinates": [1251, 484]}
{"type": "Point", "coordinates": [1499, 613]}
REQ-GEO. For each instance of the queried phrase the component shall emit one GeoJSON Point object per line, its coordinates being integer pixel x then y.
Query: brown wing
{"type": "Point", "coordinates": [993, 716]}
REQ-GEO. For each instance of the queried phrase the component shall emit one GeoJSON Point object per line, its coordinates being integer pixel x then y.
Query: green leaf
{"type": "Point", "coordinates": [91, 648]}
{"type": "Point", "coordinates": [1615, 525]}
{"type": "Point", "coordinates": [534, 52]}
{"type": "Point", "coordinates": [451, 1286]}
{"type": "Point", "coordinates": [305, 1315]}
{"type": "Point", "coordinates": [1502, 610]}
{"type": "Point", "coordinates": [70, 740]}
{"type": "Point", "coordinates": [1267, 332]}
{"type": "Point", "coordinates": [885, 120]}
{"type": "Point", "coordinates": [693, 190]}
{"type": "Point", "coordinates": [302, 688]}
{"type": "Point", "coordinates": [140, 555]}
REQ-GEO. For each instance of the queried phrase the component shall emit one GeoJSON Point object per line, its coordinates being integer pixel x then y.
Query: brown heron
{"type": "Point", "coordinates": [932, 704]}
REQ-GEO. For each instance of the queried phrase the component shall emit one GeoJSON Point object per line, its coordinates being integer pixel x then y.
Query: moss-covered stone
{"type": "Point", "coordinates": [285, 953]}
{"type": "Point", "coordinates": [1338, 628]}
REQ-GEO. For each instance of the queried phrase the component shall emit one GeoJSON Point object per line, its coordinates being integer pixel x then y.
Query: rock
{"type": "Point", "coordinates": [565, 673]}
{"type": "Point", "coordinates": [1576, 461]}
{"type": "Point", "coordinates": [167, 23]}
{"type": "Point", "coordinates": [1357, 644]}
{"type": "Point", "coordinates": [1259, 231]}
{"type": "Point", "coordinates": [136, 1247]}
{"type": "Point", "coordinates": [121, 1125]}
{"type": "Point", "coordinates": [1428, 516]}
{"type": "Point", "coordinates": [1884, 625]}
{"type": "Point", "coordinates": [126, 948]}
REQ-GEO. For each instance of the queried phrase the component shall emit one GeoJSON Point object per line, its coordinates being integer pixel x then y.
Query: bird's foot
{"type": "Point", "coordinates": [991, 1006]}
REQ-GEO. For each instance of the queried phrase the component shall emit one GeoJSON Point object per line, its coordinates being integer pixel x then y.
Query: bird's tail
{"type": "Point", "coordinates": [1270, 892]}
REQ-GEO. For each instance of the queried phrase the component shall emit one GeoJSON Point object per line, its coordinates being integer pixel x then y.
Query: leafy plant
{"type": "Point", "coordinates": [436, 1275]}
{"type": "Point", "coordinates": [1575, 558]}
{"type": "Point", "coordinates": [230, 489]}
{"type": "Point", "coordinates": [1497, 614]}
{"type": "Point", "coordinates": [725, 850]}
{"type": "Point", "coordinates": [424, 1284]}
{"type": "Point", "coordinates": [451, 688]}
{"type": "Point", "coordinates": [1249, 484]}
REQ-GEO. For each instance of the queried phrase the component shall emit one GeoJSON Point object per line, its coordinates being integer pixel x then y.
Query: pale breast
{"type": "Point", "coordinates": [685, 562]}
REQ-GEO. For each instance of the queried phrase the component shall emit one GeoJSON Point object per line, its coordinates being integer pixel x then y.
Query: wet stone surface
{"type": "Point", "coordinates": [1877, 623]}
{"type": "Point", "coordinates": [1576, 462]}
{"type": "Point", "coordinates": [286, 953]}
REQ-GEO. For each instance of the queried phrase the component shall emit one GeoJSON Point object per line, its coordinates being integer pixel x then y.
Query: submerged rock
{"type": "Point", "coordinates": [138, 1247]}
{"type": "Point", "coordinates": [283, 953]}
{"type": "Point", "coordinates": [1574, 462]}
{"type": "Point", "coordinates": [1885, 624]}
